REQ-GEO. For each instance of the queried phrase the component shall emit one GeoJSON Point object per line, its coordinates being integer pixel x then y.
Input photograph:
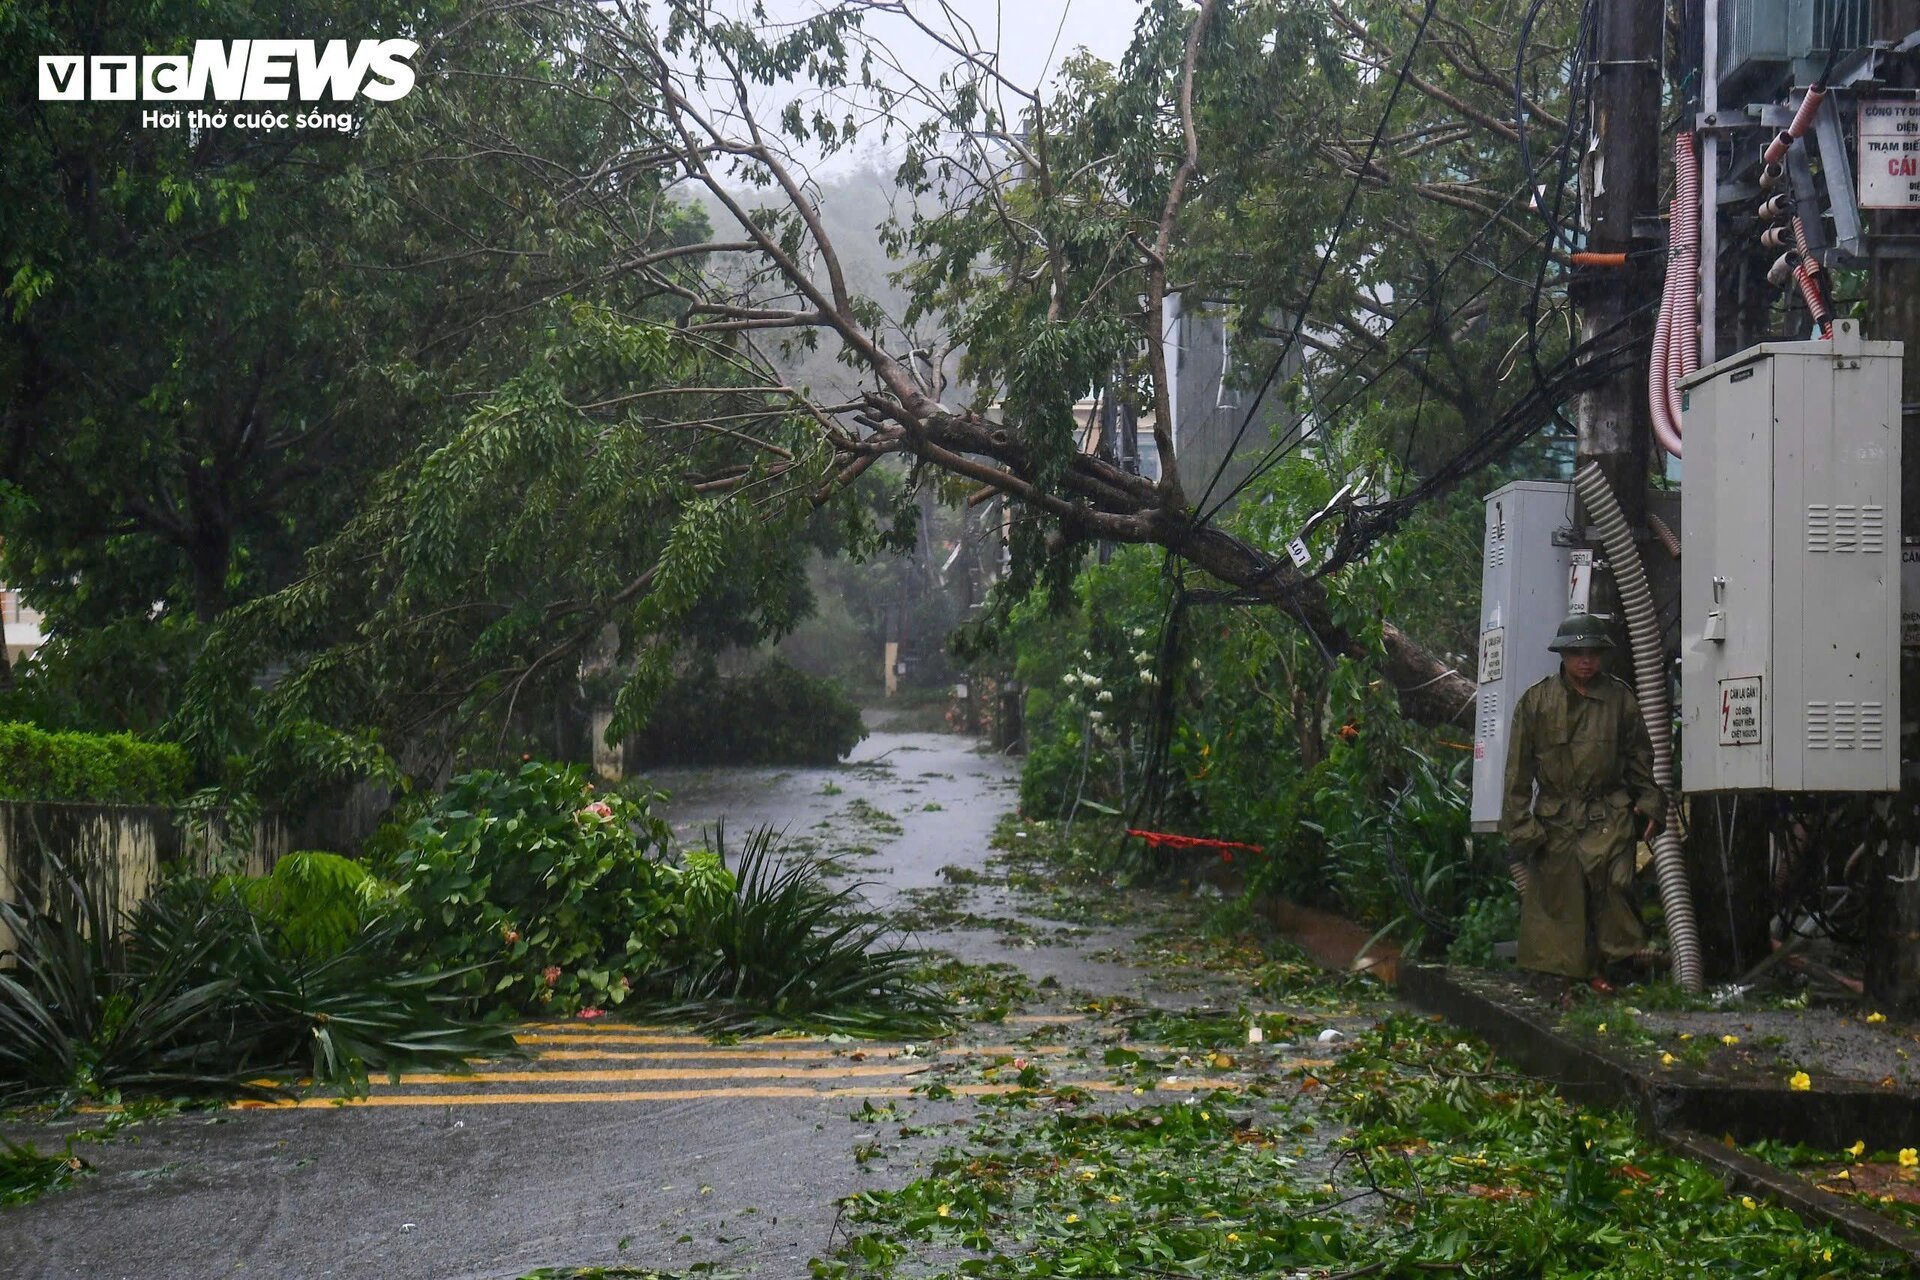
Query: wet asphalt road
{"type": "Point", "coordinates": [698, 1166]}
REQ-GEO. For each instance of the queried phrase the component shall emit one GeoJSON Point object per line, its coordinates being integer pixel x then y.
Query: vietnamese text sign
{"type": "Point", "coordinates": [1740, 711]}
{"type": "Point", "coordinates": [1493, 654]}
{"type": "Point", "coordinates": [1889, 154]}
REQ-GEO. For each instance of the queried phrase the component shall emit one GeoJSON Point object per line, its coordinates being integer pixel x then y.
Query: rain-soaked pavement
{"type": "Point", "coordinates": [616, 1144]}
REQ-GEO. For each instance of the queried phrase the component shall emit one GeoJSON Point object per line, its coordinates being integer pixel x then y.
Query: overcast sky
{"type": "Point", "coordinates": [1030, 36]}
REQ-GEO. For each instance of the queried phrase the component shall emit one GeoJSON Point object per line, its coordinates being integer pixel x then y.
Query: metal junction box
{"type": "Point", "coordinates": [1790, 569]}
{"type": "Point", "coordinates": [1523, 598]}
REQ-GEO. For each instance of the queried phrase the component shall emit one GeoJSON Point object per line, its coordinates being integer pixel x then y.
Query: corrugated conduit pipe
{"type": "Point", "coordinates": [1684, 339]}
{"type": "Point", "coordinates": [1650, 685]}
{"type": "Point", "coordinates": [1676, 342]}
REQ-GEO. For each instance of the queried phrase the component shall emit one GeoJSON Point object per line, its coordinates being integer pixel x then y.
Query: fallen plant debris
{"type": "Point", "coordinates": [27, 1173]}
{"type": "Point", "coordinates": [1886, 1181]}
{"type": "Point", "coordinates": [1403, 1150]}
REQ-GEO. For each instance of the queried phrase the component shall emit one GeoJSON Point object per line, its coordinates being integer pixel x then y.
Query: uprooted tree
{"type": "Point", "coordinates": [1337, 162]}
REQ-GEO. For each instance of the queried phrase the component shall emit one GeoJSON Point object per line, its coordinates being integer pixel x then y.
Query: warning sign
{"type": "Point", "coordinates": [1580, 581]}
{"type": "Point", "coordinates": [1889, 154]}
{"type": "Point", "coordinates": [1740, 712]}
{"type": "Point", "coordinates": [1493, 654]}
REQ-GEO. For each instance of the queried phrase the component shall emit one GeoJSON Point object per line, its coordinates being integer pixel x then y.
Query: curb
{"type": "Point", "coordinates": [1680, 1113]}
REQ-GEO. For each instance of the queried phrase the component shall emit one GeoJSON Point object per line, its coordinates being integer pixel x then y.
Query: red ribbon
{"type": "Point", "coordinates": [1164, 838]}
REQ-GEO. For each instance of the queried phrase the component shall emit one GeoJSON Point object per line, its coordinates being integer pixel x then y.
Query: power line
{"type": "Point", "coordinates": [1319, 411]}
{"type": "Point", "coordinates": [1578, 369]}
{"type": "Point", "coordinates": [1202, 512]}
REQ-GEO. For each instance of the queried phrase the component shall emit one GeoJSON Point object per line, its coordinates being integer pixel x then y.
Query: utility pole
{"type": "Point", "coordinates": [1620, 183]}
{"type": "Point", "coordinates": [1893, 313]}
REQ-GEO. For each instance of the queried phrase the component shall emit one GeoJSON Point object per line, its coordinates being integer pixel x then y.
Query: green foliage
{"type": "Point", "coordinates": [540, 894]}
{"type": "Point", "coordinates": [218, 337]}
{"type": "Point", "coordinates": [79, 1018]}
{"type": "Point", "coordinates": [362, 1008]}
{"type": "Point", "coordinates": [1411, 1154]}
{"type": "Point", "coordinates": [1494, 918]}
{"type": "Point", "coordinates": [777, 715]}
{"type": "Point", "coordinates": [1273, 743]}
{"type": "Point", "coordinates": [788, 949]}
{"type": "Point", "coordinates": [194, 995]}
{"type": "Point", "coordinates": [26, 1173]}
{"type": "Point", "coordinates": [319, 902]}
{"type": "Point", "coordinates": [113, 768]}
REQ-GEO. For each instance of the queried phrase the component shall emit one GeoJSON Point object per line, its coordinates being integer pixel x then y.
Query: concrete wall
{"type": "Point", "coordinates": [119, 851]}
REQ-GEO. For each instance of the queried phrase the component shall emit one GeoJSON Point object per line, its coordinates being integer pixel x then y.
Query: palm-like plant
{"type": "Point", "coordinates": [78, 1017]}
{"type": "Point", "coordinates": [192, 995]}
{"type": "Point", "coordinates": [788, 949]}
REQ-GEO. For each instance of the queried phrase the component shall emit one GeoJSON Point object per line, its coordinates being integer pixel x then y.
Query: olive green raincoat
{"type": "Point", "coordinates": [1579, 764]}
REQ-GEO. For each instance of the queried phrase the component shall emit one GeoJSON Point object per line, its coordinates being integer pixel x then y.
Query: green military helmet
{"type": "Point", "coordinates": [1581, 631]}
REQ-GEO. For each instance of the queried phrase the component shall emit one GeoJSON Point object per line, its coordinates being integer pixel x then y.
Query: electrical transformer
{"type": "Point", "coordinates": [1790, 568]}
{"type": "Point", "coordinates": [1761, 39]}
{"type": "Point", "coordinates": [1524, 577]}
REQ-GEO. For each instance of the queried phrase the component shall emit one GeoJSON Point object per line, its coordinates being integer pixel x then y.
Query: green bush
{"type": "Point", "coordinates": [786, 948]}
{"type": "Point", "coordinates": [100, 768]}
{"type": "Point", "coordinates": [777, 715]}
{"type": "Point", "coordinates": [1273, 741]}
{"type": "Point", "coordinates": [195, 995]}
{"type": "Point", "coordinates": [319, 902]}
{"type": "Point", "coordinates": [546, 895]}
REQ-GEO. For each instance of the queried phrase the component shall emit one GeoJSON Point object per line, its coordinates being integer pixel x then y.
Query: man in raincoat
{"type": "Point", "coordinates": [1579, 766]}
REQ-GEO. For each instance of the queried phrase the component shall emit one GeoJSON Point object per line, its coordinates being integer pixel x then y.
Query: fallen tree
{"type": "Point", "coordinates": [1040, 235]}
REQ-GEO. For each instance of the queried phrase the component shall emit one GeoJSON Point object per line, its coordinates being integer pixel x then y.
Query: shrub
{"type": "Point", "coordinates": [318, 902]}
{"type": "Point", "coordinates": [194, 995]}
{"type": "Point", "coordinates": [787, 948]}
{"type": "Point", "coordinates": [101, 768]}
{"type": "Point", "coordinates": [542, 893]}
{"type": "Point", "coordinates": [777, 715]}
{"type": "Point", "coordinates": [1272, 740]}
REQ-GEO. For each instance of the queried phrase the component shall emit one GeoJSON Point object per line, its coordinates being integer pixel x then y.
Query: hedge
{"type": "Point", "coordinates": [101, 768]}
{"type": "Point", "coordinates": [777, 715]}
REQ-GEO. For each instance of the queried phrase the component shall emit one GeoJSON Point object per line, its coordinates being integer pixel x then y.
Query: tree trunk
{"type": "Point", "coordinates": [1430, 691]}
{"type": "Point", "coordinates": [210, 557]}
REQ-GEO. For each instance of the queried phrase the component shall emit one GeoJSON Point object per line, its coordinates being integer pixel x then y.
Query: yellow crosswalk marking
{"type": "Point", "coordinates": [645, 1095]}
{"type": "Point", "coordinates": [853, 1071]}
{"type": "Point", "coordinates": [786, 1055]}
{"type": "Point", "coordinates": [661, 1058]}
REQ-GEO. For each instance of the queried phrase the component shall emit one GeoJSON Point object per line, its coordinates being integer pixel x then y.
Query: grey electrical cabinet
{"type": "Point", "coordinates": [1524, 577]}
{"type": "Point", "coordinates": [1790, 569]}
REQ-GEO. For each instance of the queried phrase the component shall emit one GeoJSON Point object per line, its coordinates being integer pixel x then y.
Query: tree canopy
{"type": "Point", "coordinates": [480, 383]}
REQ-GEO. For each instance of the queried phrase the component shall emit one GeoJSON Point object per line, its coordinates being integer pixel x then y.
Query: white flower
{"type": "Point", "coordinates": [1095, 716]}
{"type": "Point", "coordinates": [1091, 681]}
{"type": "Point", "coordinates": [1196, 664]}
{"type": "Point", "coordinates": [1142, 658]}
{"type": "Point", "coordinates": [1149, 679]}
{"type": "Point", "coordinates": [1105, 695]}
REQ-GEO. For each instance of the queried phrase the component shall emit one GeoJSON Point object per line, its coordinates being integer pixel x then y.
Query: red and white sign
{"type": "Point", "coordinates": [1889, 154]}
{"type": "Point", "coordinates": [1740, 712]}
